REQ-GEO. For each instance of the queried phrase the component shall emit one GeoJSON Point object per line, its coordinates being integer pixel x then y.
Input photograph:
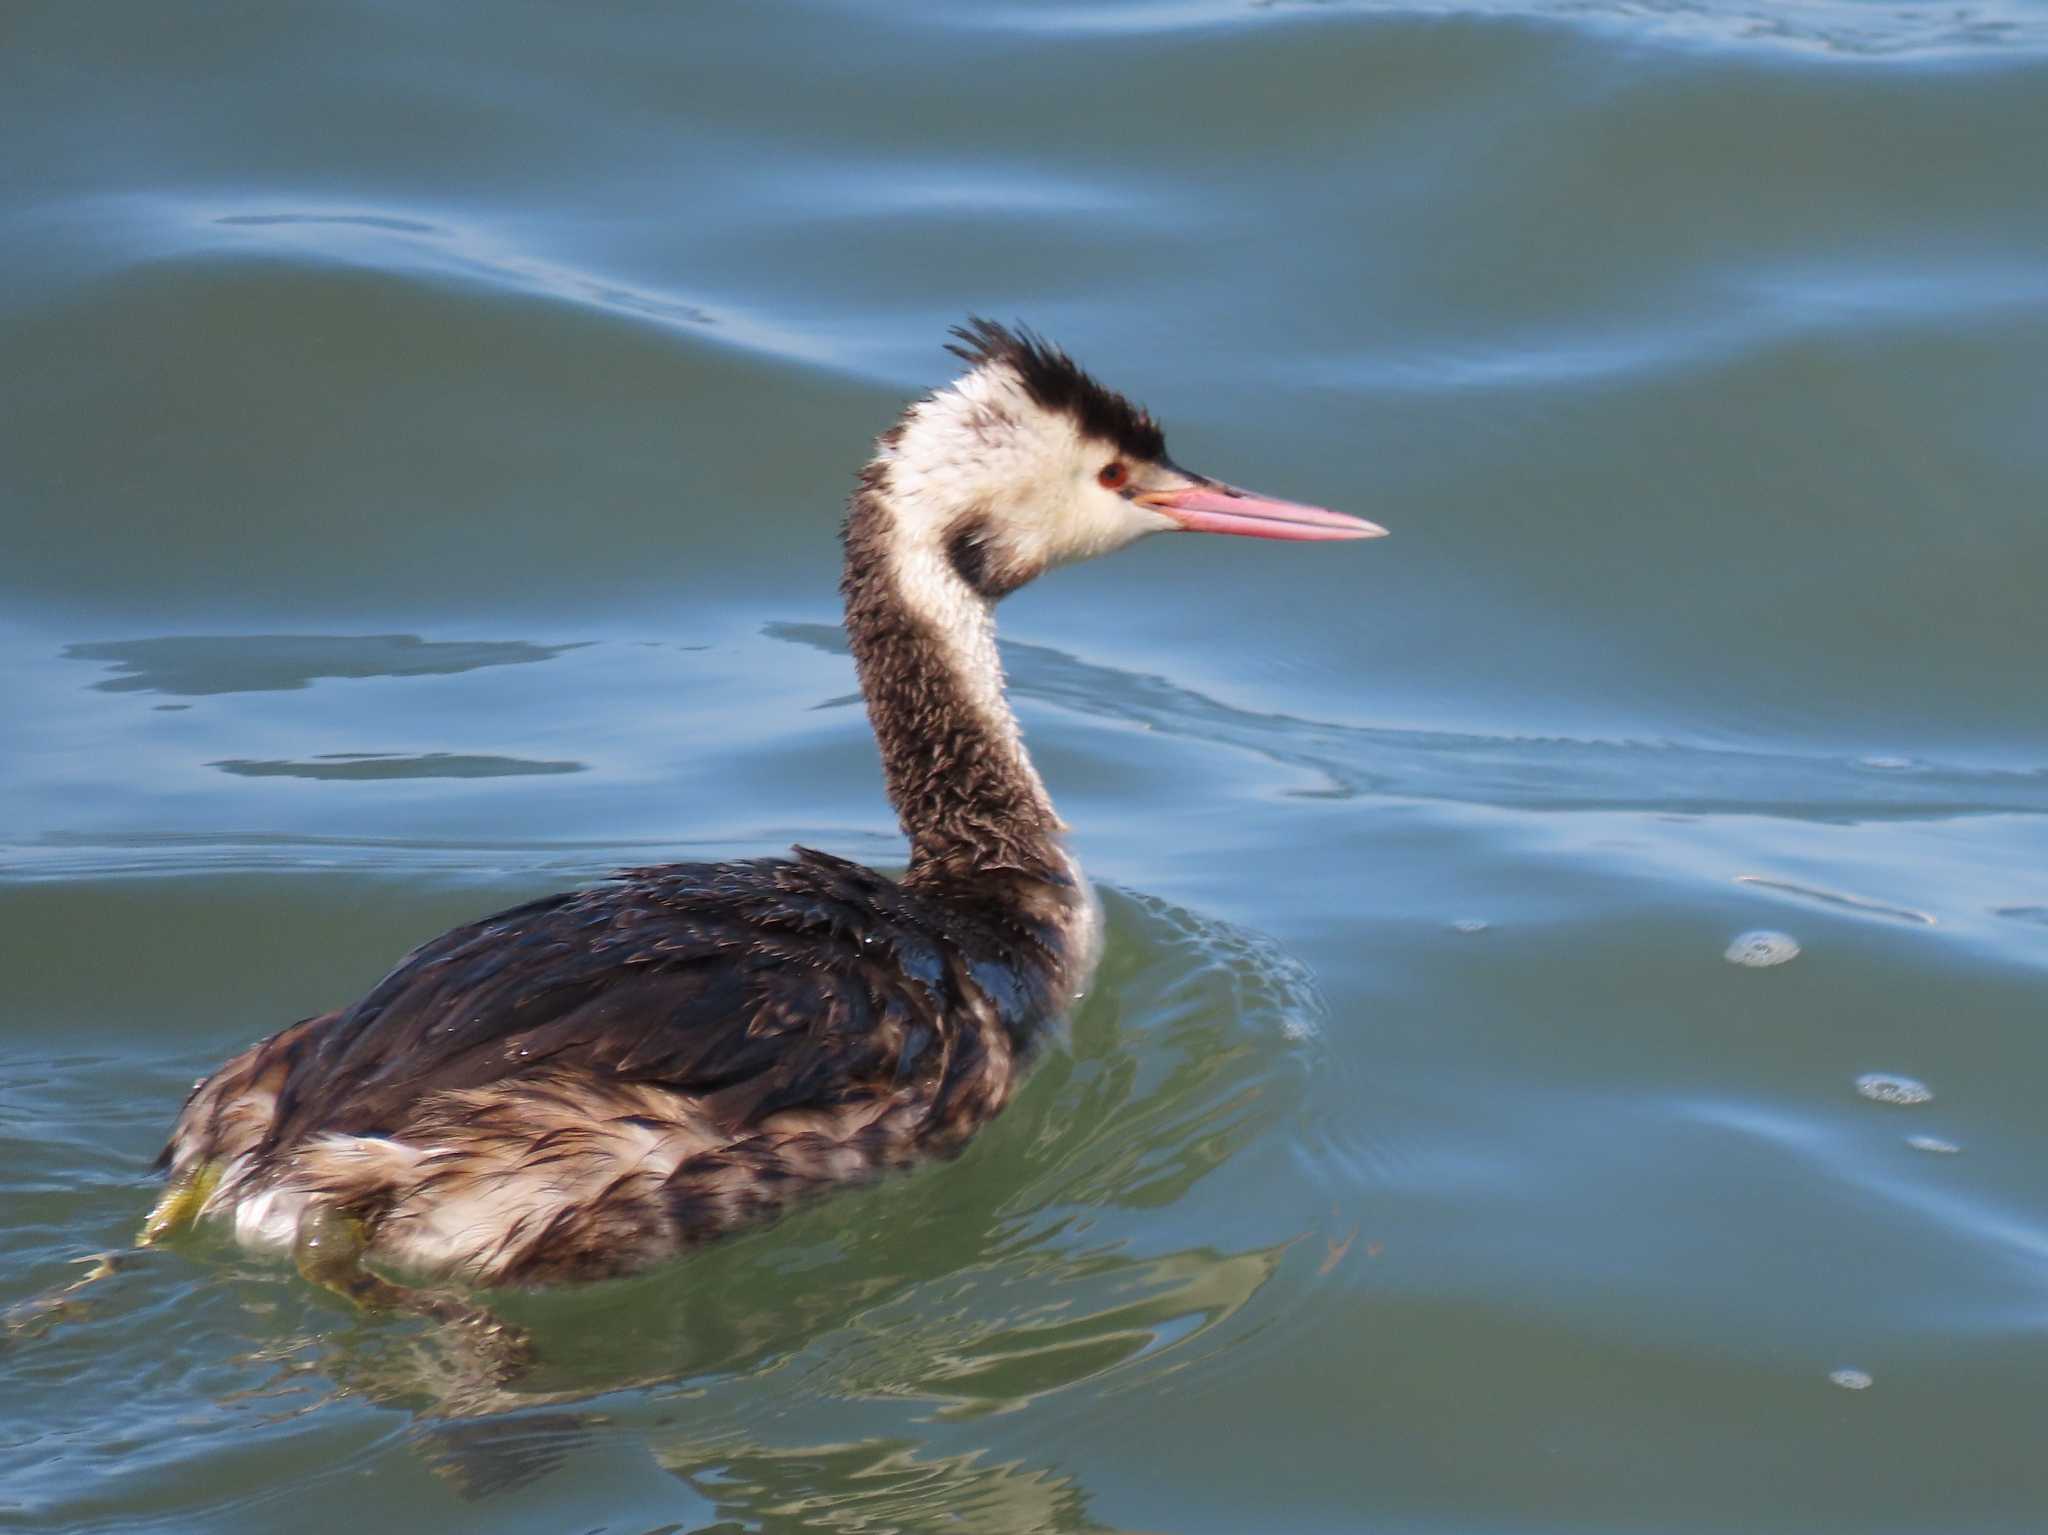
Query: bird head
{"type": "Point", "coordinates": [1025, 462]}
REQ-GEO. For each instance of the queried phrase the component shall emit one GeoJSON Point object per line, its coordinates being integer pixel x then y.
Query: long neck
{"type": "Point", "coordinates": [924, 643]}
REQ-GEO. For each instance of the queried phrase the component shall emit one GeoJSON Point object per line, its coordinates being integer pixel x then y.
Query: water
{"type": "Point", "coordinates": [421, 440]}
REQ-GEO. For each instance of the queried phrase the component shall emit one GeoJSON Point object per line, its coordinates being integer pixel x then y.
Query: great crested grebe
{"type": "Point", "coordinates": [589, 1083]}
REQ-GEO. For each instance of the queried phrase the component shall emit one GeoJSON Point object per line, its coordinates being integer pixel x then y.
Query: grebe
{"type": "Point", "coordinates": [589, 1083]}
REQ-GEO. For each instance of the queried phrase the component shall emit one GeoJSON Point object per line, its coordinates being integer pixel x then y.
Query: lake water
{"type": "Point", "coordinates": [423, 431]}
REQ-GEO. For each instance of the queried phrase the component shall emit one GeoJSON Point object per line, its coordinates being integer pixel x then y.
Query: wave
{"type": "Point", "coordinates": [1511, 771]}
{"type": "Point", "coordinates": [1836, 29]}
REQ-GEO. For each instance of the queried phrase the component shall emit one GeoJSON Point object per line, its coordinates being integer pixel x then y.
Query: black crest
{"type": "Point", "coordinates": [1055, 381]}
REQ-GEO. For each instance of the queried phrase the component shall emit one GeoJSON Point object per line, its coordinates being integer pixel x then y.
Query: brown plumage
{"type": "Point", "coordinates": [589, 1083]}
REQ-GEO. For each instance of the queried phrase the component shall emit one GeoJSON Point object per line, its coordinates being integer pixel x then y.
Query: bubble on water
{"type": "Point", "coordinates": [1851, 1380]}
{"type": "Point", "coordinates": [1934, 1144]}
{"type": "Point", "coordinates": [1470, 925]}
{"type": "Point", "coordinates": [1762, 948]}
{"type": "Point", "coordinates": [1881, 1087]}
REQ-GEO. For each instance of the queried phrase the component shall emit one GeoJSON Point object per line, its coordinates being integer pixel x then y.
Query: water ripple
{"type": "Point", "coordinates": [1840, 29]}
{"type": "Point", "coordinates": [1550, 773]}
{"type": "Point", "coordinates": [439, 249]}
{"type": "Point", "coordinates": [1855, 903]}
{"type": "Point", "coordinates": [1833, 29]}
{"type": "Point", "coordinates": [197, 665]}
{"type": "Point", "coordinates": [362, 767]}
{"type": "Point", "coordinates": [472, 255]}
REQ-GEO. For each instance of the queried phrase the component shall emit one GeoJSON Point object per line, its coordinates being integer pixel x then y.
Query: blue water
{"type": "Point", "coordinates": [422, 438]}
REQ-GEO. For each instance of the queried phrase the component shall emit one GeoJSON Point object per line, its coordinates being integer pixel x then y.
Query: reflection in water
{"type": "Point", "coordinates": [487, 1457]}
{"type": "Point", "coordinates": [875, 1484]}
{"type": "Point", "coordinates": [373, 765]}
{"type": "Point", "coordinates": [1110, 1314]}
{"type": "Point", "coordinates": [261, 663]}
{"type": "Point", "coordinates": [1507, 771]}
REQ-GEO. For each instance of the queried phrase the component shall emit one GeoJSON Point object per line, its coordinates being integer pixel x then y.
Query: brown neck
{"type": "Point", "coordinates": [924, 644]}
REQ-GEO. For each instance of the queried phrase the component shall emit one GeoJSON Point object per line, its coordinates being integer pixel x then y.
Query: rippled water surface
{"type": "Point", "coordinates": [1570, 1047]}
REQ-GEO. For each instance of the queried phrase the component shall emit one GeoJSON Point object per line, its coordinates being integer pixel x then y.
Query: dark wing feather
{"type": "Point", "coordinates": [754, 985]}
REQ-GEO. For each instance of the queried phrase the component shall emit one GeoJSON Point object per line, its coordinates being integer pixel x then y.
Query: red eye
{"type": "Point", "coordinates": [1112, 476]}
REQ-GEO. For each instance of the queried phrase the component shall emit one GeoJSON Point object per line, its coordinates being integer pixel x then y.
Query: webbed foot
{"type": "Point", "coordinates": [330, 1250]}
{"type": "Point", "coordinates": [39, 1313]}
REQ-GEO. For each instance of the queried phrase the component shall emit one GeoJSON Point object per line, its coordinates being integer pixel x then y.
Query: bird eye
{"type": "Point", "coordinates": [1112, 476]}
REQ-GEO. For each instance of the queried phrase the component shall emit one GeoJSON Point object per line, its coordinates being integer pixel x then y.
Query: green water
{"type": "Point", "coordinates": [422, 437]}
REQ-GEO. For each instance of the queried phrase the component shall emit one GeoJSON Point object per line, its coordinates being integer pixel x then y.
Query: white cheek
{"type": "Point", "coordinates": [1143, 520]}
{"type": "Point", "coordinates": [1113, 521]}
{"type": "Point", "coordinates": [954, 463]}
